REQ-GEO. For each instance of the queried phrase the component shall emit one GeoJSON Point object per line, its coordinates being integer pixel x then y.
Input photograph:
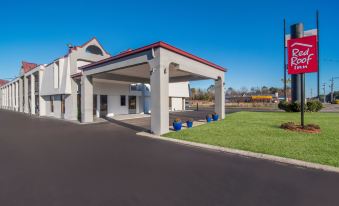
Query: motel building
{"type": "Point", "coordinates": [88, 83]}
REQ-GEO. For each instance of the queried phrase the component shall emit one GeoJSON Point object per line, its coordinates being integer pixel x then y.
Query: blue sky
{"type": "Point", "coordinates": [244, 36]}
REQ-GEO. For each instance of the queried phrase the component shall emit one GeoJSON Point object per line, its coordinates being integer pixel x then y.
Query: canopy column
{"type": "Point", "coordinates": [86, 99]}
{"type": "Point", "coordinates": [220, 97]}
{"type": "Point", "coordinates": [159, 97]}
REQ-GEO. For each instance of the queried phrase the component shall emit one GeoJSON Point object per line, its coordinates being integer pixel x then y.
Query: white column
{"type": "Point", "coordinates": [21, 97]}
{"type": "Point", "coordinates": [7, 97]}
{"type": "Point", "coordinates": [12, 96]}
{"type": "Point", "coordinates": [219, 107]}
{"type": "Point", "coordinates": [98, 106]}
{"type": "Point", "coordinates": [159, 99]}
{"type": "Point", "coordinates": [16, 96]}
{"type": "Point", "coordinates": [26, 94]}
{"type": "Point", "coordinates": [1, 99]}
{"type": "Point", "coordinates": [42, 102]}
{"type": "Point", "coordinates": [32, 94]}
{"type": "Point", "coordinates": [86, 99]}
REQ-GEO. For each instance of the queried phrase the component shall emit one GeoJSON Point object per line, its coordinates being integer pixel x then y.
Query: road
{"type": "Point", "coordinates": [53, 162]}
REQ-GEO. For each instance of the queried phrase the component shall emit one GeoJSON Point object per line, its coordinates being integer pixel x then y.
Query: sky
{"type": "Point", "coordinates": [246, 37]}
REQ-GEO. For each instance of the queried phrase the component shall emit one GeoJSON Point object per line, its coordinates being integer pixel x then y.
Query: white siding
{"type": "Point", "coordinates": [113, 92]}
{"type": "Point", "coordinates": [177, 104]}
{"type": "Point", "coordinates": [179, 89]}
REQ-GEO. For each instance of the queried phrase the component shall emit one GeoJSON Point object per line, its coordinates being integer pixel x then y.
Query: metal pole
{"type": "Point", "coordinates": [332, 89]}
{"type": "Point", "coordinates": [285, 86]}
{"type": "Point", "coordinates": [324, 88]}
{"type": "Point", "coordinates": [302, 77]}
{"type": "Point", "coordinates": [297, 31]}
{"type": "Point", "coordinates": [318, 39]}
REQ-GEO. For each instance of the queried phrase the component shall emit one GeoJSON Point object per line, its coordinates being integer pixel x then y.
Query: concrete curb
{"type": "Point", "coordinates": [246, 153]}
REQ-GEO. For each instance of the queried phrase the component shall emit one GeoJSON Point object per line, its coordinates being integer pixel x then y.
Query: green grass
{"type": "Point", "coordinates": [260, 132]}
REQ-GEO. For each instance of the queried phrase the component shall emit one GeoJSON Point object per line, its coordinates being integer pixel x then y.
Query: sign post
{"type": "Point", "coordinates": [302, 58]}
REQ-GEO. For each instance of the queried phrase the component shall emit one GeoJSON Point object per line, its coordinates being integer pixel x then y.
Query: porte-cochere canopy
{"type": "Point", "coordinates": [158, 64]}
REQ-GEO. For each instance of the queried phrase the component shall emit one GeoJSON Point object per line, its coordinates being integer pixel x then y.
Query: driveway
{"type": "Point", "coordinates": [51, 162]}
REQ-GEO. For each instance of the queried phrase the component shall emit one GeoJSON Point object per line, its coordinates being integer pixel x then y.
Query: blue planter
{"type": "Point", "coordinates": [177, 126]}
{"type": "Point", "coordinates": [189, 124]}
{"type": "Point", "coordinates": [215, 117]}
{"type": "Point", "coordinates": [208, 119]}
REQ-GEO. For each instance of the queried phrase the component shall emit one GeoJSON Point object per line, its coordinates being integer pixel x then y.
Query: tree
{"type": "Point", "coordinates": [230, 91]}
{"type": "Point", "coordinates": [211, 89]}
{"type": "Point", "coordinates": [243, 90]}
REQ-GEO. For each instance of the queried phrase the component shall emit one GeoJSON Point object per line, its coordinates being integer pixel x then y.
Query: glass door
{"type": "Point", "coordinates": [132, 104]}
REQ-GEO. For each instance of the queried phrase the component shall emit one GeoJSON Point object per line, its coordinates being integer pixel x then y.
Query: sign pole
{"type": "Point", "coordinates": [302, 86]}
{"type": "Point", "coordinates": [285, 86]}
{"type": "Point", "coordinates": [297, 31]}
{"type": "Point", "coordinates": [318, 74]}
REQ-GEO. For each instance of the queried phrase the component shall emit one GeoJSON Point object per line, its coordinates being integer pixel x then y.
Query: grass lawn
{"type": "Point", "coordinates": [260, 132]}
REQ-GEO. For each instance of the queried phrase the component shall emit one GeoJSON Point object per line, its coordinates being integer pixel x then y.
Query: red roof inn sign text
{"type": "Point", "coordinates": [302, 55]}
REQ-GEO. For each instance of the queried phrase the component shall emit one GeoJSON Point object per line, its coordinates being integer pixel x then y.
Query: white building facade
{"type": "Point", "coordinates": [58, 89]}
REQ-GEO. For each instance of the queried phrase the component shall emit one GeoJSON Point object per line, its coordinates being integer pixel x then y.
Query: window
{"type": "Point", "coordinates": [133, 87]}
{"type": "Point", "coordinates": [122, 100]}
{"type": "Point", "coordinates": [63, 109]}
{"type": "Point", "coordinates": [92, 49]}
{"type": "Point", "coordinates": [51, 98]}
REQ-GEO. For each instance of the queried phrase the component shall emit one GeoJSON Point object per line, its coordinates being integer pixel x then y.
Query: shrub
{"type": "Point", "coordinates": [284, 105]}
{"type": "Point", "coordinates": [190, 120]}
{"type": "Point", "coordinates": [288, 125]}
{"type": "Point", "coordinates": [295, 107]}
{"type": "Point", "coordinates": [311, 106]}
{"type": "Point", "coordinates": [314, 106]}
{"type": "Point", "coordinates": [177, 120]}
{"type": "Point", "coordinates": [312, 126]}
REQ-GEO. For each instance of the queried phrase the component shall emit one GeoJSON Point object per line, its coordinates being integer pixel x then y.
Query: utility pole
{"type": "Point", "coordinates": [324, 89]}
{"type": "Point", "coordinates": [332, 87]}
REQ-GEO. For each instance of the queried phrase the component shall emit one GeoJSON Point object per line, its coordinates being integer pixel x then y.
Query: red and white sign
{"type": "Point", "coordinates": [302, 55]}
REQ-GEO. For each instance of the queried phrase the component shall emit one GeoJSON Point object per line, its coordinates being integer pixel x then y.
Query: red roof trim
{"type": "Point", "coordinates": [26, 66]}
{"type": "Point", "coordinates": [156, 45]}
{"type": "Point", "coordinates": [3, 82]}
{"type": "Point", "coordinates": [79, 74]}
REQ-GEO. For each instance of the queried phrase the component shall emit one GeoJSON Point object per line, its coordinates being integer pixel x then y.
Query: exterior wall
{"type": "Point", "coordinates": [56, 103]}
{"type": "Point", "coordinates": [52, 84]}
{"type": "Point", "coordinates": [177, 104]}
{"type": "Point", "coordinates": [113, 92]}
{"type": "Point", "coordinates": [77, 57]}
{"type": "Point", "coordinates": [179, 89]}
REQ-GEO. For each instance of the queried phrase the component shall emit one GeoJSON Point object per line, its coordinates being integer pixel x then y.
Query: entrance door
{"type": "Point", "coordinates": [132, 104]}
{"type": "Point", "coordinates": [63, 106]}
{"type": "Point", "coordinates": [103, 105]}
{"type": "Point", "coordinates": [95, 104]}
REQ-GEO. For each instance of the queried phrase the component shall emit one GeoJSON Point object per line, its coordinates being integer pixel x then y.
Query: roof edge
{"type": "Point", "coordinates": [156, 45]}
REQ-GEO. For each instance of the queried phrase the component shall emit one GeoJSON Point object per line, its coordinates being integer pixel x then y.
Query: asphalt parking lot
{"type": "Point", "coordinates": [53, 162]}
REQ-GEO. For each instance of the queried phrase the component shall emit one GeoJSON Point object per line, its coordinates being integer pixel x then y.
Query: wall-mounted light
{"type": "Point", "coordinates": [151, 71]}
{"type": "Point", "coordinates": [165, 70]}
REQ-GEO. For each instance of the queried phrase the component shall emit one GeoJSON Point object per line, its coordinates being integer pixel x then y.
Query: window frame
{"type": "Point", "coordinates": [122, 100]}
